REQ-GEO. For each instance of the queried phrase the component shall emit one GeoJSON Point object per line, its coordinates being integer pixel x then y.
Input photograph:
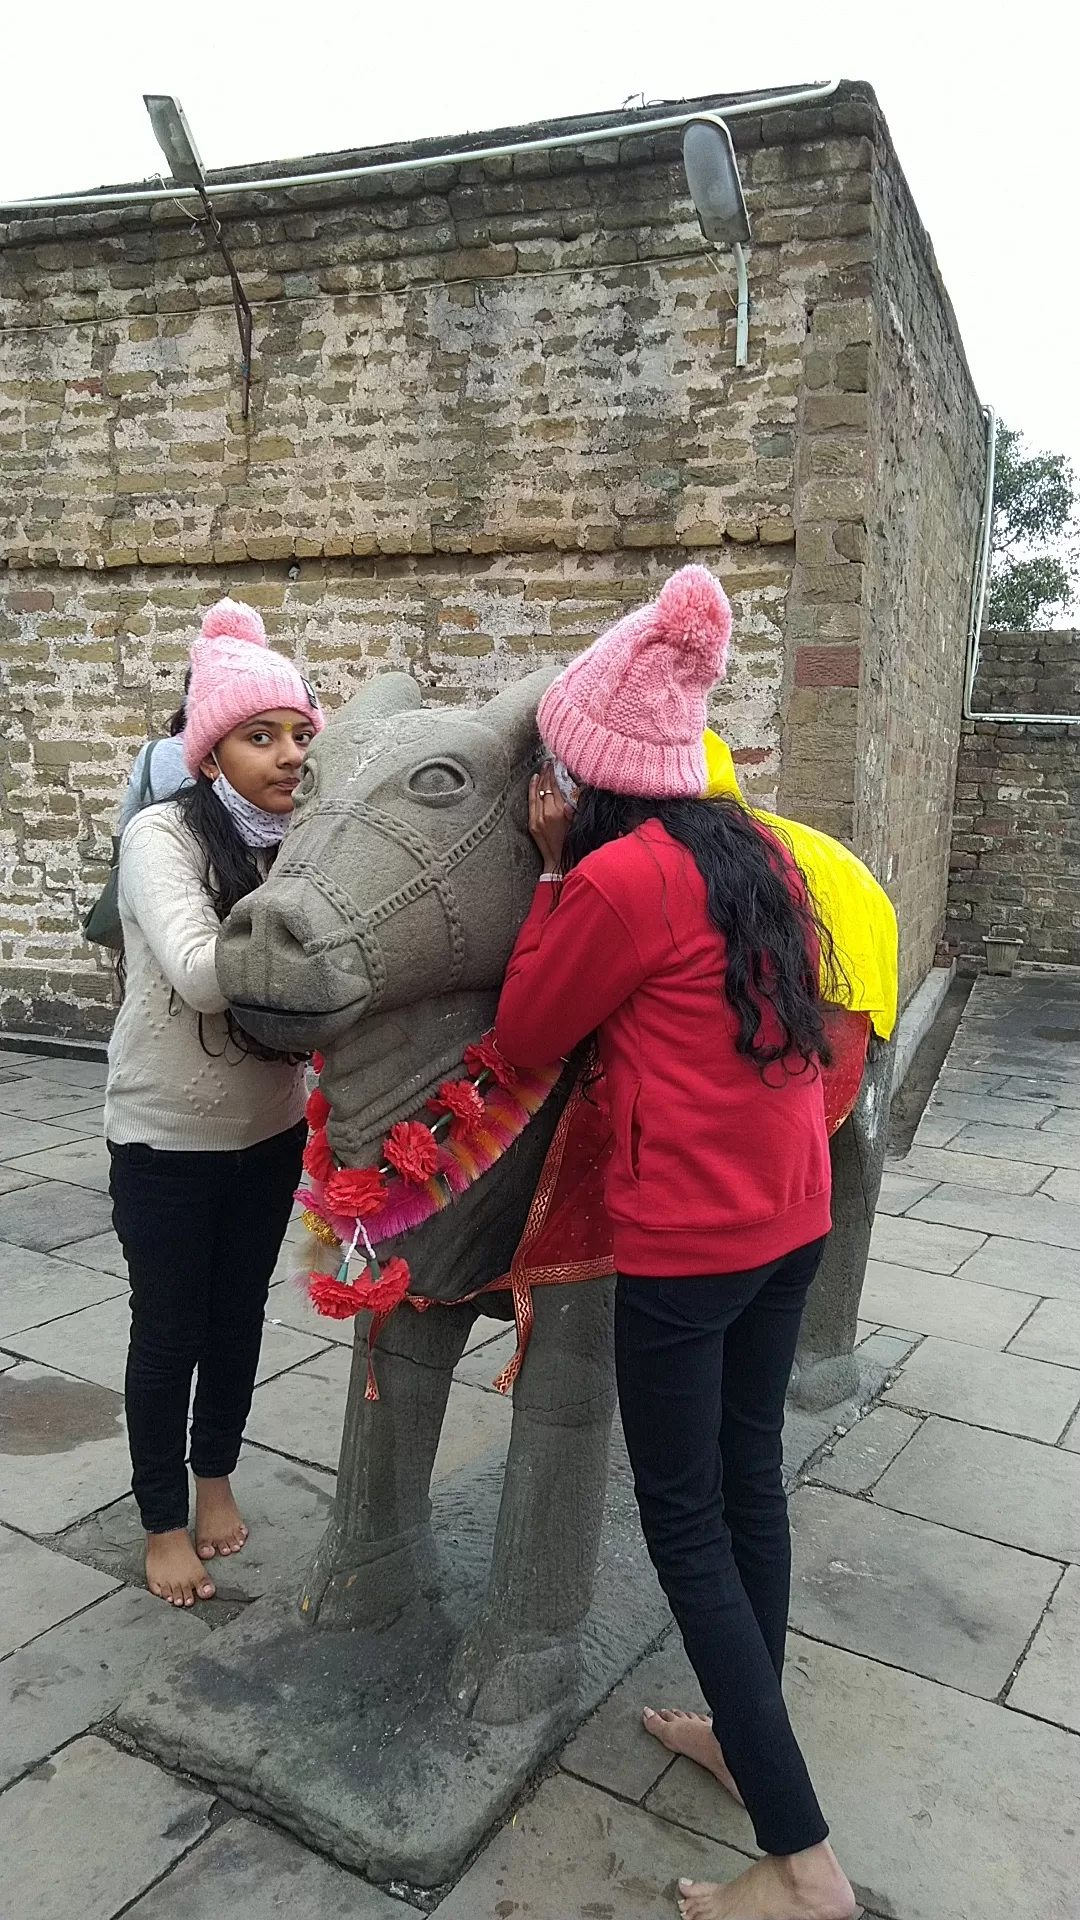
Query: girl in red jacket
{"type": "Point", "coordinates": [681, 934]}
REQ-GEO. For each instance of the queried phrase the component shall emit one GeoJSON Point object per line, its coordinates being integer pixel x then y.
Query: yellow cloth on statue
{"type": "Point", "coordinates": [856, 910]}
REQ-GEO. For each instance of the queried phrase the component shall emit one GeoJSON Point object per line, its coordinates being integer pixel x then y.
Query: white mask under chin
{"type": "Point", "coordinates": [255, 825]}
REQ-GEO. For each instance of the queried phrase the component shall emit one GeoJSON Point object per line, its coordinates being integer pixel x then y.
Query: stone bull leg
{"type": "Point", "coordinates": [378, 1554]}
{"type": "Point", "coordinates": [826, 1370]}
{"type": "Point", "coordinates": [521, 1657]}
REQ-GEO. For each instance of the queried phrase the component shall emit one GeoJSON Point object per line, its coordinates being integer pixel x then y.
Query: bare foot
{"type": "Point", "coordinates": [794, 1886]}
{"type": "Point", "coordinates": [218, 1526]}
{"type": "Point", "coordinates": [692, 1734]}
{"type": "Point", "coordinates": [174, 1571]}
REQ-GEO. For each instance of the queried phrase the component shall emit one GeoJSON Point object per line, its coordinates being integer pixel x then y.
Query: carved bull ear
{"type": "Point", "coordinates": [512, 714]}
{"type": "Point", "coordinates": [385, 695]}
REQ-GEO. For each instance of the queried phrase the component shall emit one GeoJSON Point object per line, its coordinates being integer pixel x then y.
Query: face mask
{"type": "Point", "coordinates": [564, 783]}
{"type": "Point", "coordinates": [256, 827]}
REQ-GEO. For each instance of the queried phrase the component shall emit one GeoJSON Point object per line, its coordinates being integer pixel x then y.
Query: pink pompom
{"type": "Point", "coordinates": [234, 620]}
{"type": "Point", "coordinates": [694, 612]}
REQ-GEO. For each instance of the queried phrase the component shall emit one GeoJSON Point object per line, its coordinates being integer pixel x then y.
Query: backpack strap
{"type": "Point", "coordinates": [146, 781]}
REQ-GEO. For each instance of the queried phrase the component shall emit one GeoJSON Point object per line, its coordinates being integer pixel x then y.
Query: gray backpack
{"type": "Point", "coordinates": [102, 923]}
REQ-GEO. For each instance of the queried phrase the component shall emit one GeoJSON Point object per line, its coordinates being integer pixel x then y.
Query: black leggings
{"type": "Point", "coordinates": [703, 1366]}
{"type": "Point", "coordinates": [201, 1233]}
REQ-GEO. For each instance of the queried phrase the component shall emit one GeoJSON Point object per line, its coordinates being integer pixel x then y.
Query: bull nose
{"type": "Point", "coordinates": [272, 953]}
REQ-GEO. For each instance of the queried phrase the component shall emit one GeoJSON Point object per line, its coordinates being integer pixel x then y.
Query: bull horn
{"type": "Point", "coordinates": [512, 713]}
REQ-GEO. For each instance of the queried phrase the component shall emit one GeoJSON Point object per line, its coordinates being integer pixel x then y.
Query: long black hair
{"type": "Point", "coordinates": [773, 934]}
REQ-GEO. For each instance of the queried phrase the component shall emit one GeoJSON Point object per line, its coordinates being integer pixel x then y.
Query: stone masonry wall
{"type": "Point", "coordinates": [1015, 866]}
{"type": "Point", "coordinates": [889, 491]}
{"type": "Point", "coordinates": [492, 408]}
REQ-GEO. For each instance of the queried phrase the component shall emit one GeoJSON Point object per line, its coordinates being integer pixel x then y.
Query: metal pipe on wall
{"type": "Point", "coordinates": [593, 136]}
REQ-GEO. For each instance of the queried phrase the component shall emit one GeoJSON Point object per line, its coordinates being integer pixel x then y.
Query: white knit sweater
{"type": "Point", "coordinates": [168, 1087]}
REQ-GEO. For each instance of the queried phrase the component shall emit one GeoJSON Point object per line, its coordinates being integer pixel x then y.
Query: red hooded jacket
{"type": "Point", "coordinates": [714, 1168]}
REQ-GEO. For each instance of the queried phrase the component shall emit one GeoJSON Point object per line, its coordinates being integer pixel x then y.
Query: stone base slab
{"type": "Point", "coordinates": [349, 1738]}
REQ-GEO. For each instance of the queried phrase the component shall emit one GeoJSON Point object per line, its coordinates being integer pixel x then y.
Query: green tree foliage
{"type": "Point", "coordinates": [1035, 553]}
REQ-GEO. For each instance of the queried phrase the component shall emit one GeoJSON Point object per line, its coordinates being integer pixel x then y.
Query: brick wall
{"type": "Point", "coordinates": [1015, 864]}
{"type": "Point", "coordinates": [492, 407]}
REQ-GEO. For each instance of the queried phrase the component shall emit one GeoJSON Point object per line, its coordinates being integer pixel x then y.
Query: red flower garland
{"type": "Point", "coordinates": [410, 1148]}
{"type": "Point", "coordinates": [484, 1057]}
{"type": "Point", "coordinates": [317, 1110]}
{"type": "Point", "coordinates": [318, 1158]}
{"type": "Point", "coordinates": [464, 1101]}
{"type": "Point", "coordinates": [355, 1192]}
{"type": "Point", "coordinates": [337, 1300]}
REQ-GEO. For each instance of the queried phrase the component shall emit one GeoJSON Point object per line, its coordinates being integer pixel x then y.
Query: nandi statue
{"type": "Point", "coordinates": [381, 940]}
{"type": "Point", "coordinates": [395, 1734]}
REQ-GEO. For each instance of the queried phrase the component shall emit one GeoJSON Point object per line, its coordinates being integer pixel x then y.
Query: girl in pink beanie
{"type": "Point", "coordinates": [205, 1130]}
{"type": "Point", "coordinates": [679, 933]}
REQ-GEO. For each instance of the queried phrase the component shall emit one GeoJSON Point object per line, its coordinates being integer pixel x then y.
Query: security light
{"type": "Point", "coordinates": [173, 135]}
{"type": "Point", "coordinates": [716, 190]}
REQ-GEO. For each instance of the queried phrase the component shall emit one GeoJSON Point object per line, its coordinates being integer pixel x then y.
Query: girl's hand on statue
{"type": "Point", "coordinates": [549, 818]}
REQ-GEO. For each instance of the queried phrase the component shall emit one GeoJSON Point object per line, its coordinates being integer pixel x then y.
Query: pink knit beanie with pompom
{"type": "Point", "coordinates": [629, 713]}
{"type": "Point", "coordinates": [235, 675]}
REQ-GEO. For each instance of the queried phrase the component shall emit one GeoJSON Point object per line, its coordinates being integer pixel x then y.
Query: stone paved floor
{"type": "Point", "coordinates": [934, 1672]}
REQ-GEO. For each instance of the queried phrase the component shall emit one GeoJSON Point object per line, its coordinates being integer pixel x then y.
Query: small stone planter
{"type": "Point", "coordinates": [1002, 952]}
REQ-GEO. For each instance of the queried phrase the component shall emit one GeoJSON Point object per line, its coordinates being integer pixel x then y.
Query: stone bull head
{"type": "Point", "coordinates": [381, 939]}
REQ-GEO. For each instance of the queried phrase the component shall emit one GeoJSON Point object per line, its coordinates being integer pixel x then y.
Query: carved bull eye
{"type": "Point", "coordinates": [438, 783]}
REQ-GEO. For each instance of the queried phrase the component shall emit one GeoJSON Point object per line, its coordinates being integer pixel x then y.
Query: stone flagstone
{"type": "Point", "coordinates": [990, 1109]}
{"type": "Point", "coordinates": [917, 1596]}
{"type": "Point", "coordinates": [861, 1457]}
{"type": "Point", "coordinates": [612, 1749]}
{"type": "Point", "coordinates": [1026, 1397]}
{"type": "Point", "coordinates": [572, 1851]}
{"type": "Point", "coordinates": [246, 1872]}
{"type": "Point", "coordinates": [86, 1833]}
{"type": "Point", "coordinates": [1016, 1265]}
{"type": "Point", "coordinates": [990, 1484]}
{"type": "Point", "coordinates": [78, 1672]}
{"type": "Point", "coordinates": [932, 1165]}
{"type": "Point", "coordinates": [83, 1163]}
{"type": "Point", "coordinates": [1048, 1683]}
{"type": "Point", "coordinates": [1052, 1333]}
{"type": "Point", "coordinates": [93, 1344]}
{"type": "Point", "coordinates": [103, 1252]}
{"type": "Point", "coordinates": [65, 1448]}
{"type": "Point", "coordinates": [1011, 1144]}
{"type": "Point", "coordinates": [899, 1191]}
{"type": "Point", "coordinates": [911, 1243]}
{"type": "Point", "coordinates": [950, 1307]}
{"type": "Point", "coordinates": [53, 1214]}
{"type": "Point", "coordinates": [38, 1287]}
{"type": "Point", "coordinates": [1019, 1216]}
{"type": "Point", "coordinates": [19, 1136]}
{"type": "Point", "coordinates": [942, 1806]}
{"type": "Point", "coordinates": [286, 1506]}
{"type": "Point", "coordinates": [36, 1099]}
{"type": "Point", "coordinates": [39, 1588]}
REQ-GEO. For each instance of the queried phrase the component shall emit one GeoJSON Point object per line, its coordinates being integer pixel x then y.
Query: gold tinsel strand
{"type": "Point", "coordinates": [319, 1229]}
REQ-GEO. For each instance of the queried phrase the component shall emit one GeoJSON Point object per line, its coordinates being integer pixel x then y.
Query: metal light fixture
{"type": "Point", "coordinates": [173, 135]}
{"type": "Point", "coordinates": [716, 190]}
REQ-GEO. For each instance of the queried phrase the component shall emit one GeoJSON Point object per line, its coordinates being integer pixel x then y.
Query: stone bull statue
{"type": "Point", "coordinates": [381, 939]}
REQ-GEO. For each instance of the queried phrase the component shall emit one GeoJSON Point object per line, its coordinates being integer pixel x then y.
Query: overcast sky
{"type": "Point", "coordinates": [983, 115]}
